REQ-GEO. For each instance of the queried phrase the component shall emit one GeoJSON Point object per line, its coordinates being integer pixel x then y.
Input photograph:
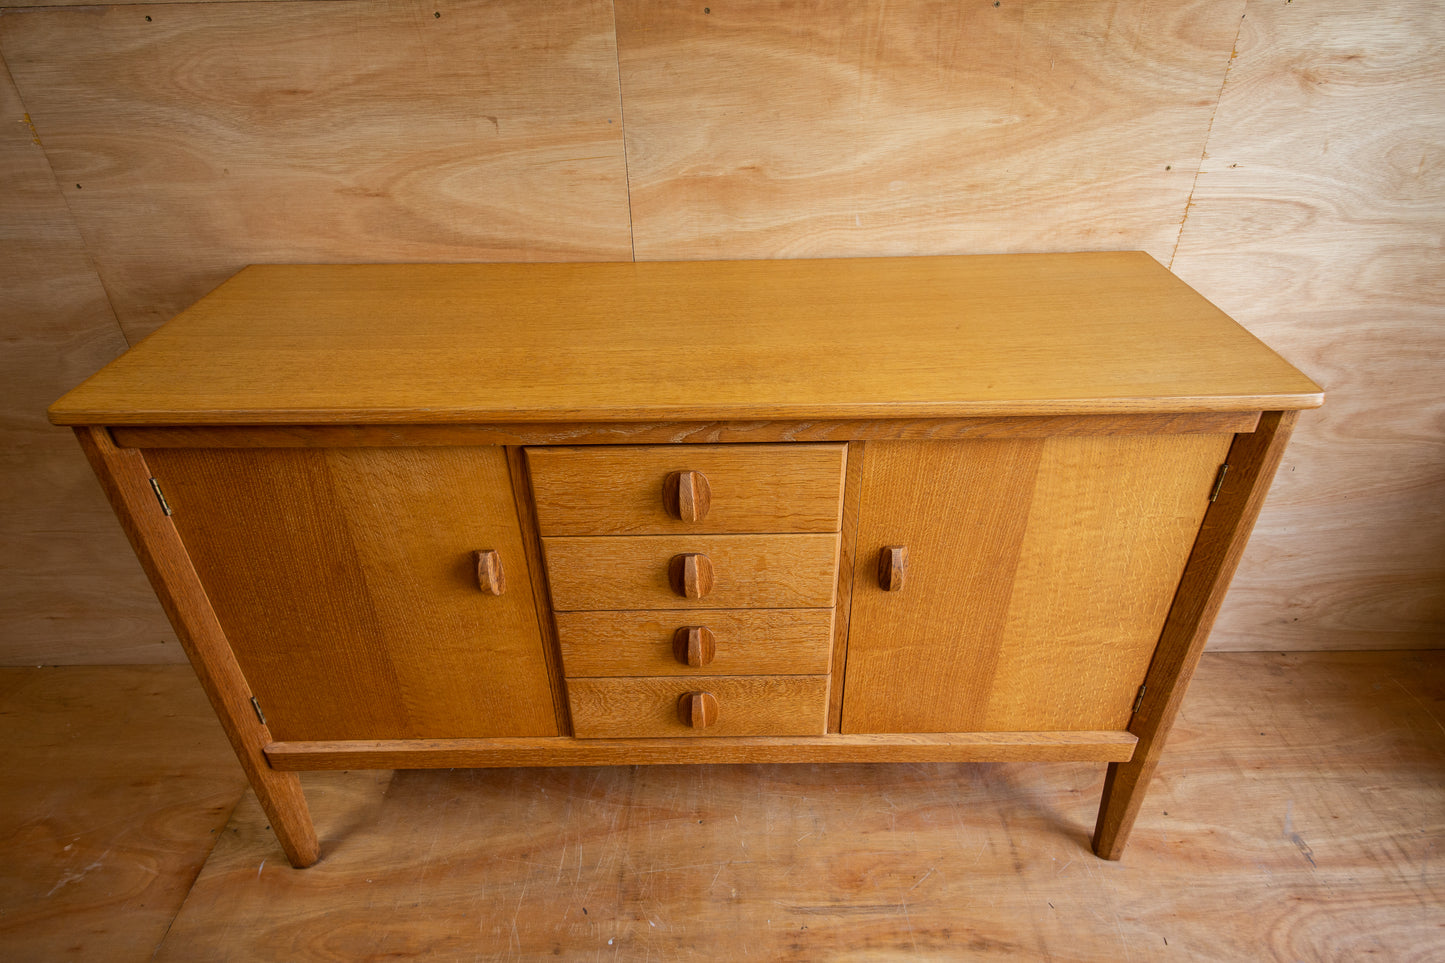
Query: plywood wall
{"type": "Point", "coordinates": [1285, 158]}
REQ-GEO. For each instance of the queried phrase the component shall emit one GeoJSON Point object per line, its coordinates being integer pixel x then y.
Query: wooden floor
{"type": "Point", "coordinates": [1299, 814]}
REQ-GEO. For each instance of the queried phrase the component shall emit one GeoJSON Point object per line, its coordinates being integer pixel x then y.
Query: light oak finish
{"type": "Point", "coordinates": [372, 131]}
{"type": "Point", "coordinates": [1039, 579]}
{"type": "Point", "coordinates": [745, 641]}
{"type": "Point", "coordinates": [683, 433]}
{"type": "Point", "coordinates": [633, 490]}
{"type": "Point", "coordinates": [1222, 537]}
{"type": "Point", "coordinates": [834, 748]}
{"type": "Point", "coordinates": [126, 479]}
{"type": "Point", "coordinates": [396, 638]}
{"type": "Point", "coordinates": [847, 551]}
{"type": "Point", "coordinates": [786, 705]}
{"type": "Point", "coordinates": [749, 571]}
{"type": "Point", "coordinates": [926, 337]}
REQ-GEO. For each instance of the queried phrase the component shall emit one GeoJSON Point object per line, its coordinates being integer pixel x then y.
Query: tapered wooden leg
{"type": "Point", "coordinates": [127, 483]}
{"type": "Point", "coordinates": [1253, 459]}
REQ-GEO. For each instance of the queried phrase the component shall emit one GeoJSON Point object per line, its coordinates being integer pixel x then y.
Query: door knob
{"type": "Point", "coordinates": [697, 709]}
{"type": "Point", "coordinates": [690, 575]}
{"type": "Point", "coordinates": [892, 567]}
{"type": "Point", "coordinates": [687, 495]}
{"type": "Point", "coordinates": [694, 645]}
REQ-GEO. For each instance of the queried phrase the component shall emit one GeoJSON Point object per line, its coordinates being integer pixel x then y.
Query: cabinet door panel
{"type": "Point", "coordinates": [345, 582]}
{"type": "Point", "coordinates": [1039, 575]}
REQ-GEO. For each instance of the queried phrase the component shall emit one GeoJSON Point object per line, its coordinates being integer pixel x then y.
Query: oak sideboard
{"type": "Point", "coordinates": [886, 509]}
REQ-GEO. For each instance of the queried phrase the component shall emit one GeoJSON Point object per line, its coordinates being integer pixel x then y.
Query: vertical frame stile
{"type": "Point", "coordinates": [848, 545]}
{"type": "Point", "coordinates": [126, 479]}
{"type": "Point", "coordinates": [541, 593]}
{"type": "Point", "coordinates": [1253, 459]}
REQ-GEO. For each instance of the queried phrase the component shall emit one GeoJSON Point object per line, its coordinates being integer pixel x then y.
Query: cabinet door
{"type": "Point", "coordinates": [1039, 575]}
{"type": "Point", "coordinates": [345, 581]}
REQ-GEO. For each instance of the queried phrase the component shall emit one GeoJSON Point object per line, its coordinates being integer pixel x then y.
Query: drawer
{"type": "Point", "coordinates": [744, 642]}
{"type": "Point", "coordinates": [745, 706]}
{"type": "Point", "coordinates": [747, 571]}
{"type": "Point", "coordinates": [634, 490]}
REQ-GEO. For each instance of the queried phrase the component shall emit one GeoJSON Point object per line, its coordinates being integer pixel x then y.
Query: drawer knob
{"type": "Point", "coordinates": [694, 645]}
{"type": "Point", "coordinates": [690, 575]}
{"type": "Point", "coordinates": [687, 495]}
{"type": "Point", "coordinates": [697, 709]}
{"type": "Point", "coordinates": [892, 567]}
{"type": "Point", "coordinates": [489, 571]}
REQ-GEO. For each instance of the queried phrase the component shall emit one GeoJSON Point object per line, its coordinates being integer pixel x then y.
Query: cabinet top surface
{"type": "Point", "coordinates": [928, 337]}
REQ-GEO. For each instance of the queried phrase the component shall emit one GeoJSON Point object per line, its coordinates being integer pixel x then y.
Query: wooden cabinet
{"type": "Point", "coordinates": [888, 510]}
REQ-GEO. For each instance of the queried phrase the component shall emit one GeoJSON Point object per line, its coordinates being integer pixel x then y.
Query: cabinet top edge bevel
{"type": "Point", "coordinates": [929, 337]}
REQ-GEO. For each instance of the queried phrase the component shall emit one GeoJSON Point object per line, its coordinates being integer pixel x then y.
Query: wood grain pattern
{"type": "Point", "coordinates": [765, 130]}
{"type": "Point", "coordinates": [748, 641]}
{"type": "Point", "coordinates": [1327, 827]}
{"type": "Point", "coordinates": [209, 137]}
{"type": "Point", "coordinates": [70, 589]}
{"type": "Point", "coordinates": [620, 490]}
{"type": "Point", "coordinates": [746, 705]}
{"type": "Point", "coordinates": [1039, 579]}
{"type": "Point", "coordinates": [118, 782]}
{"type": "Point", "coordinates": [126, 479]}
{"type": "Point", "coordinates": [1317, 222]}
{"type": "Point", "coordinates": [903, 337]}
{"type": "Point", "coordinates": [681, 433]}
{"type": "Point", "coordinates": [396, 639]}
{"type": "Point", "coordinates": [833, 748]}
{"type": "Point", "coordinates": [1253, 460]}
{"type": "Point", "coordinates": [847, 555]}
{"type": "Point", "coordinates": [749, 571]}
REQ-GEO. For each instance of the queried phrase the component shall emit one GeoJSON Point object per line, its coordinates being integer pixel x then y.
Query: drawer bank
{"type": "Point", "coordinates": [888, 509]}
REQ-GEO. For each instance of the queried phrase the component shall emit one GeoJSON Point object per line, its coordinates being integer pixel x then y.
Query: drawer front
{"type": "Point", "coordinates": [745, 706]}
{"type": "Point", "coordinates": [625, 490]}
{"type": "Point", "coordinates": [747, 571]}
{"type": "Point", "coordinates": [743, 642]}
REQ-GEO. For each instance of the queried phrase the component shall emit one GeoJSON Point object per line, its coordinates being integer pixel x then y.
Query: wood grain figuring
{"type": "Point", "coordinates": [632, 490]}
{"type": "Point", "coordinates": [1327, 828]}
{"type": "Point", "coordinates": [678, 749]}
{"type": "Point", "coordinates": [761, 130]}
{"type": "Point", "coordinates": [785, 705]}
{"type": "Point", "coordinates": [210, 137]}
{"type": "Point", "coordinates": [70, 589]}
{"type": "Point", "coordinates": [749, 571]}
{"type": "Point", "coordinates": [1253, 459]}
{"type": "Point", "coordinates": [926, 337]}
{"type": "Point", "coordinates": [125, 477]}
{"type": "Point", "coordinates": [397, 639]}
{"type": "Point", "coordinates": [118, 781]}
{"type": "Point", "coordinates": [1317, 222]}
{"type": "Point", "coordinates": [746, 641]}
{"type": "Point", "coordinates": [1038, 583]}
{"type": "Point", "coordinates": [680, 433]}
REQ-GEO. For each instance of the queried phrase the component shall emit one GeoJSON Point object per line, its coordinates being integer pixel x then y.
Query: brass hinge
{"type": "Point", "coordinates": [1138, 700]}
{"type": "Point", "coordinates": [1218, 482]}
{"type": "Point", "coordinates": [160, 496]}
{"type": "Point", "coordinates": [259, 714]}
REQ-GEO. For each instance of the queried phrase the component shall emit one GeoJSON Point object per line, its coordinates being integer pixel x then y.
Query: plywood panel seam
{"type": "Point", "coordinates": [1209, 129]}
{"type": "Point", "coordinates": [69, 211]}
{"type": "Point", "coordinates": [622, 122]}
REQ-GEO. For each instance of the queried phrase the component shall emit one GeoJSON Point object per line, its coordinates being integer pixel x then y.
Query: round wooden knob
{"type": "Point", "coordinates": [697, 709]}
{"type": "Point", "coordinates": [892, 567]}
{"type": "Point", "coordinates": [690, 575]}
{"type": "Point", "coordinates": [694, 645]}
{"type": "Point", "coordinates": [687, 495]}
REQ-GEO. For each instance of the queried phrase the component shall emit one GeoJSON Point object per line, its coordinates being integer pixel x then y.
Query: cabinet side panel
{"type": "Point", "coordinates": [345, 582]}
{"type": "Point", "coordinates": [1039, 577]}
